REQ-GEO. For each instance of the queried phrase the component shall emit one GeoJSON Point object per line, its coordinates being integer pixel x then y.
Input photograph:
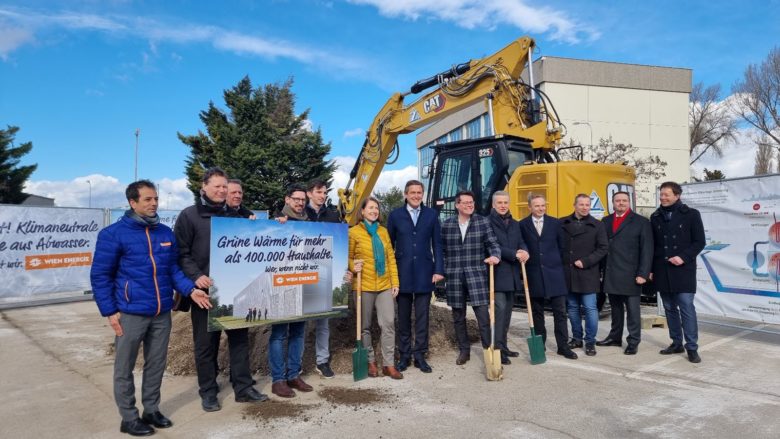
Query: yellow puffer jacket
{"type": "Point", "coordinates": [360, 248]}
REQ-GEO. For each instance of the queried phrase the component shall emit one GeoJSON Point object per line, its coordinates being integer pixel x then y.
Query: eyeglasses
{"type": "Point", "coordinates": [466, 203]}
{"type": "Point", "coordinates": [298, 200]}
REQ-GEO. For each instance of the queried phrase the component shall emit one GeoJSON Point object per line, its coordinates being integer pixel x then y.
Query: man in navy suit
{"type": "Point", "coordinates": [544, 238]}
{"type": "Point", "coordinates": [416, 236]}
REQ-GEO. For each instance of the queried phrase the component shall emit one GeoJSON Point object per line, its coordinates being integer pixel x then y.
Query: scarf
{"type": "Point", "coordinates": [506, 218]}
{"type": "Point", "coordinates": [210, 205]}
{"type": "Point", "coordinates": [377, 246]}
{"type": "Point", "coordinates": [288, 212]}
{"type": "Point", "coordinates": [668, 210]}
{"type": "Point", "coordinates": [146, 221]}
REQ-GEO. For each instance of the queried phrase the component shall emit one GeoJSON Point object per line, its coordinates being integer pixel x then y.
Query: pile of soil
{"type": "Point", "coordinates": [274, 409]}
{"type": "Point", "coordinates": [342, 342]}
{"type": "Point", "coordinates": [353, 397]}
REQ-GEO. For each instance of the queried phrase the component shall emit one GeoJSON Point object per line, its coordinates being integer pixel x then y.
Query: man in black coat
{"type": "Point", "coordinates": [626, 269]}
{"type": "Point", "coordinates": [678, 236]}
{"type": "Point", "coordinates": [193, 235]}
{"type": "Point", "coordinates": [542, 234]}
{"type": "Point", "coordinates": [508, 279]}
{"type": "Point", "coordinates": [585, 245]}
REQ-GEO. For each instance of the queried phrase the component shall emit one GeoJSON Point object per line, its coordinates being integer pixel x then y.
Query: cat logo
{"type": "Point", "coordinates": [434, 104]}
{"type": "Point", "coordinates": [414, 116]}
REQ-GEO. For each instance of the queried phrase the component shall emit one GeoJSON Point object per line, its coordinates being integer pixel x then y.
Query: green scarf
{"type": "Point", "coordinates": [377, 246]}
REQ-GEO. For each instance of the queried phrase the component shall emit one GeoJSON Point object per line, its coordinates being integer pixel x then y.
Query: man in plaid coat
{"type": "Point", "coordinates": [469, 243]}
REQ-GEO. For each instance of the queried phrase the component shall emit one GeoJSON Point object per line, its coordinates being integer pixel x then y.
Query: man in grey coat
{"type": "Point", "coordinates": [626, 269]}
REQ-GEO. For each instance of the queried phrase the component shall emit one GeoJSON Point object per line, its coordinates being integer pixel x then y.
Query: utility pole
{"type": "Point", "coordinates": [90, 193]}
{"type": "Point", "coordinates": [137, 133]}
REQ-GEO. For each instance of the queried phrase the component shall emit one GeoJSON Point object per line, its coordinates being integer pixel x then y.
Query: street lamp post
{"type": "Point", "coordinates": [137, 133]}
{"type": "Point", "coordinates": [590, 128]}
{"type": "Point", "coordinates": [168, 201]}
{"type": "Point", "coordinates": [90, 193]}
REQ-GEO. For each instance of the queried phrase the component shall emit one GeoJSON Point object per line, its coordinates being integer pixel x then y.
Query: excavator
{"type": "Point", "coordinates": [520, 155]}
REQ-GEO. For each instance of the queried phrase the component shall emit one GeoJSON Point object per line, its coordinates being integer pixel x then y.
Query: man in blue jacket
{"type": "Point", "coordinates": [415, 233]}
{"type": "Point", "coordinates": [134, 272]}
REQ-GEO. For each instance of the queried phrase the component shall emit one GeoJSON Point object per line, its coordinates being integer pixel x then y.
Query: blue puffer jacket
{"type": "Point", "coordinates": [135, 269]}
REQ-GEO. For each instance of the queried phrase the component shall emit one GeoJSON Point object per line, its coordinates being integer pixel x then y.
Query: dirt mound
{"type": "Point", "coordinates": [355, 397]}
{"type": "Point", "coordinates": [342, 341]}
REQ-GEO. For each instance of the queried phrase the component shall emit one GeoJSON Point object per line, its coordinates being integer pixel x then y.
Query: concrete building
{"type": "Point", "coordinates": [646, 106]}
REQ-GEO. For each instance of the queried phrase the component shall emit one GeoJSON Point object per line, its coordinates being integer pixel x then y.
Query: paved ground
{"type": "Point", "coordinates": [57, 383]}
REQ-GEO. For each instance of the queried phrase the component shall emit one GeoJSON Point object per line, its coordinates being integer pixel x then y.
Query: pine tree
{"type": "Point", "coordinates": [261, 141]}
{"type": "Point", "coordinates": [13, 176]}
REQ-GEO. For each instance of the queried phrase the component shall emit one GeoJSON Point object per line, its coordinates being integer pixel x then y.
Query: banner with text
{"type": "Point", "coordinates": [265, 272]}
{"type": "Point", "coordinates": [46, 250]}
{"type": "Point", "coordinates": [738, 273]}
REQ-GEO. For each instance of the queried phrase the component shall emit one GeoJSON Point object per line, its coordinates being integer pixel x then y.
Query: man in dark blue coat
{"type": "Point", "coordinates": [544, 238]}
{"type": "Point", "coordinates": [133, 274]}
{"type": "Point", "coordinates": [416, 237]}
{"type": "Point", "coordinates": [509, 281]}
{"type": "Point", "coordinates": [678, 238]}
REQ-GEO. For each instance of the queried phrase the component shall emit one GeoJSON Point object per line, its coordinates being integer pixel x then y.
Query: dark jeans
{"type": "Point", "coordinates": [504, 303]}
{"type": "Point", "coordinates": [207, 348]}
{"type": "Point", "coordinates": [287, 368]}
{"type": "Point", "coordinates": [461, 333]}
{"type": "Point", "coordinates": [421, 302]}
{"type": "Point", "coordinates": [681, 319]}
{"type": "Point", "coordinates": [561, 328]}
{"type": "Point", "coordinates": [631, 306]}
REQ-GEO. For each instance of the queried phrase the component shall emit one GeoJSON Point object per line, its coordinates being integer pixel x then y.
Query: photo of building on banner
{"type": "Point", "coordinates": [265, 272]}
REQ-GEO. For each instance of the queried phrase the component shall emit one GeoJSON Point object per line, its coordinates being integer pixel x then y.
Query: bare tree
{"type": "Point", "coordinates": [757, 98]}
{"type": "Point", "coordinates": [649, 167]}
{"type": "Point", "coordinates": [764, 155]}
{"type": "Point", "coordinates": [711, 122]}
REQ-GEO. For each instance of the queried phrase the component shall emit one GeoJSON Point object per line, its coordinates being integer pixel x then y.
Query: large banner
{"type": "Point", "coordinates": [738, 272]}
{"type": "Point", "coordinates": [46, 250]}
{"type": "Point", "coordinates": [265, 272]}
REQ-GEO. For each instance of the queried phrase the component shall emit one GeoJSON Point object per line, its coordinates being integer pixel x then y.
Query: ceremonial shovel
{"type": "Point", "coordinates": [359, 355]}
{"type": "Point", "coordinates": [535, 342]}
{"type": "Point", "coordinates": [493, 367]}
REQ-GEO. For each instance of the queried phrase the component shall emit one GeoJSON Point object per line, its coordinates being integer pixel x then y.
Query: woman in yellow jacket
{"type": "Point", "coordinates": [371, 254]}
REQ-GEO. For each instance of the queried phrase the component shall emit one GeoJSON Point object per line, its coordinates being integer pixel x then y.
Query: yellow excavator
{"type": "Point", "coordinates": [519, 156]}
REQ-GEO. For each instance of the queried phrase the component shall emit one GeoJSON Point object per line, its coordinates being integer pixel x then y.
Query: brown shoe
{"type": "Point", "coordinates": [299, 384]}
{"type": "Point", "coordinates": [373, 372]}
{"type": "Point", "coordinates": [392, 372]}
{"type": "Point", "coordinates": [280, 388]}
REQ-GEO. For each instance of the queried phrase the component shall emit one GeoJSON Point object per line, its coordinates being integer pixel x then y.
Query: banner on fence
{"type": "Point", "coordinates": [46, 250]}
{"type": "Point", "coordinates": [738, 271]}
{"type": "Point", "coordinates": [265, 272]}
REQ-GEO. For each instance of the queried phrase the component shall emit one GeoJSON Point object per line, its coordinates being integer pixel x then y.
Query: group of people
{"type": "Point", "coordinates": [252, 314]}
{"type": "Point", "coordinates": [139, 262]}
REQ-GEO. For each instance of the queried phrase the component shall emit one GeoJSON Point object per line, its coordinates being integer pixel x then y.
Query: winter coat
{"type": "Point", "coordinates": [544, 267]}
{"type": "Point", "coordinates": [325, 215]}
{"type": "Point", "coordinates": [193, 236]}
{"type": "Point", "coordinates": [630, 254]}
{"type": "Point", "coordinates": [418, 249]}
{"type": "Point", "coordinates": [464, 260]}
{"type": "Point", "coordinates": [583, 240]}
{"type": "Point", "coordinates": [683, 236]}
{"type": "Point", "coordinates": [508, 276]}
{"type": "Point", "coordinates": [135, 269]}
{"type": "Point", "coordinates": [361, 247]}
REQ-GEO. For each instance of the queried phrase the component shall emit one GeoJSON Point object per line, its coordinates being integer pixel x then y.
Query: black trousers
{"type": "Point", "coordinates": [561, 328]}
{"type": "Point", "coordinates": [461, 332]}
{"type": "Point", "coordinates": [207, 348]}
{"type": "Point", "coordinates": [421, 302]}
{"type": "Point", "coordinates": [505, 301]}
{"type": "Point", "coordinates": [631, 306]}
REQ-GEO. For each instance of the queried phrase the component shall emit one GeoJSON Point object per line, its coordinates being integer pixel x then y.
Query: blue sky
{"type": "Point", "coordinates": [79, 77]}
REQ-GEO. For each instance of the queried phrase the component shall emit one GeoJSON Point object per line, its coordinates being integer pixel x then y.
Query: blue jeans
{"type": "Point", "coordinates": [588, 301]}
{"type": "Point", "coordinates": [681, 319]}
{"type": "Point", "coordinates": [282, 370]}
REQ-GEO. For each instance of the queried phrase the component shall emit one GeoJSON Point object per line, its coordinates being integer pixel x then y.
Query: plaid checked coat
{"type": "Point", "coordinates": [464, 259]}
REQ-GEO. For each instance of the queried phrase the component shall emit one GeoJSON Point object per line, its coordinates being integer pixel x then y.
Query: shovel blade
{"type": "Point", "coordinates": [359, 362]}
{"type": "Point", "coordinates": [493, 367]}
{"type": "Point", "coordinates": [536, 348]}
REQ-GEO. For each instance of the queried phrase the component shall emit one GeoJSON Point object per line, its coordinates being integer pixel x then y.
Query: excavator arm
{"type": "Point", "coordinates": [515, 109]}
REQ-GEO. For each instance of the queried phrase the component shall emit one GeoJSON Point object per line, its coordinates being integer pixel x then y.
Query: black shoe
{"type": "Point", "coordinates": [463, 358]}
{"type": "Point", "coordinates": [210, 404]}
{"type": "Point", "coordinates": [568, 353]}
{"type": "Point", "coordinates": [590, 349]}
{"type": "Point", "coordinates": [511, 354]}
{"type": "Point", "coordinates": [325, 370]}
{"type": "Point", "coordinates": [136, 427]}
{"type": "Point", "coordinates": [421, 364]}
{"type": "Point", "coordinates": [402, 364]}
{"type": "Point", "coordinates": [575, 343]}
{"type": "Point", "coordinates": [251, 395]}
{"type": "Point", "coordinates": [672, 349]}
{"type": "Point", "coordinates": [504, 359]}
{"type": "Point", "coordinates": [609, 342]}
{"type": "Point", "coordinates": [694, 357]}
{"type": "Point", "coordinates": [157, 420]}
{"type": "Point", "coordinates": [630, 350]}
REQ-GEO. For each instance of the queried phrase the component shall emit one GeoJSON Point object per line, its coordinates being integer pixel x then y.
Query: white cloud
{"type": "Point", "coordinates": [387, 179]}
{"type": "Point", "coordinates": [354, 132]}
{"type": "Point", "coordinates": [487, 14]}
{"type": "Point", "coordinates": [12, 38]}
{"type": "Point", "coordinates": [107, 192]}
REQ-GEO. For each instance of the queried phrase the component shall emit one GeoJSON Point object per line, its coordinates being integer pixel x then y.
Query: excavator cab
{"type": "Point", "coordinates": [481, 166]}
